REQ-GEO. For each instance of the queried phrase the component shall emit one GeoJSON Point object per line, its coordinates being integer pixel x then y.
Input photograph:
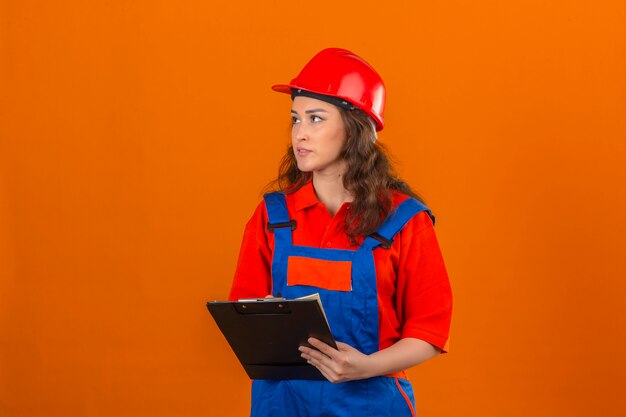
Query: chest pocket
{"type": "Point", "coordinates": [321, 273]}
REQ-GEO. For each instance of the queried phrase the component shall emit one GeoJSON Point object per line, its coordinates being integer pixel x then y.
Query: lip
{"type": "Point", "coordinates": [302, 151]}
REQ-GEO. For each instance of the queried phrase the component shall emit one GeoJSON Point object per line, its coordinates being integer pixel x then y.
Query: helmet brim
{"type": "Point", "coordinates": [282, 88]}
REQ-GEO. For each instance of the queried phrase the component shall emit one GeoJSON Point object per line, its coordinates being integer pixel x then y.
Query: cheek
{"type": "Point", "coordinates": [339, 141]}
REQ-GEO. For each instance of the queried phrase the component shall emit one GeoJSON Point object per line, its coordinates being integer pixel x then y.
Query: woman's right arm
{"type": "Point", "coordinates": [253, 277]}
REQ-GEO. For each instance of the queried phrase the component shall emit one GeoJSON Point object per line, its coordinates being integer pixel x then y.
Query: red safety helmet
{"type": "Point", "coordinates": [340, 73]}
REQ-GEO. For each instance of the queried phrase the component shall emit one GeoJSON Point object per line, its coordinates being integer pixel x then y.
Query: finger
{"type": "Point", "coordinates": [326, 365]}
{"type": "Point", "coordinates": [313, 355]}
{"type": "Point", "coordinates": [322, 347]}
{"type": "Point", "coordinates": [323, 364]}
{"type": "Point", "coordinates": [323, 357]}
{"type": "Point", "coordinates": [328, 373]}
{"type": "Point", "coordinates": [307, 352]}
{"type": "Point", "coordinates": [344, 347]}
{"type": "Point", "coordinates": [311, 351]}
{"type": "Point", "coordinates": [316, 358]}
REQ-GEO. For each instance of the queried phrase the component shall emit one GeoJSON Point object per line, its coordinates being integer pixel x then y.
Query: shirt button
{"type": "Point", "coordinates": [329, 244]}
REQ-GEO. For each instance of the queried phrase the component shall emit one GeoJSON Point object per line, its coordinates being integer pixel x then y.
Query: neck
{"type": "Point", "coordinates": [330, 191]}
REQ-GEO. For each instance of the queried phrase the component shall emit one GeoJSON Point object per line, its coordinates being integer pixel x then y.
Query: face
{"type": "Point", "coordinates": [318, 135]}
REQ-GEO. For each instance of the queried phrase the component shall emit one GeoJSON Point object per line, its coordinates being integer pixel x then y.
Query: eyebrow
{"type": "Point", "coordinates": [311, 111]}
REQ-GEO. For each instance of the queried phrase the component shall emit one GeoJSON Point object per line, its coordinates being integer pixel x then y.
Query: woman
{"type": "Point", "coordinates": [344, 226]}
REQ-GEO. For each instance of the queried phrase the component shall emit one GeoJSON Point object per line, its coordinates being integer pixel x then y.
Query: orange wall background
{"type": "Point", "coordinates": [136, 137]}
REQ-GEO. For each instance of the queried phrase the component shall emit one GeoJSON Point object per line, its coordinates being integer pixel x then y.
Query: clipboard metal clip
{"type": "Point", "coordinates": [262, 308]}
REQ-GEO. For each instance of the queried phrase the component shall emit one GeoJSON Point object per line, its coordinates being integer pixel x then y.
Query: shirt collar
{"type": "Point", "coordinates": [305, 197]}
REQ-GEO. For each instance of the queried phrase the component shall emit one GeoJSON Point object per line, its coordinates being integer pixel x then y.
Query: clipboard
{"type": "Point", "coordinates": [265, 334]}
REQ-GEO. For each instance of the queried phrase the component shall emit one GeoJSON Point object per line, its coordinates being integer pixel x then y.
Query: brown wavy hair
{"type": "Point", "coordinates": [369, 177]}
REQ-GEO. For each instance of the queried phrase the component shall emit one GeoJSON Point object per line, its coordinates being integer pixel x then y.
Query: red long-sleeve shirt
{"type": "Point", "coordinates": [414, 295]}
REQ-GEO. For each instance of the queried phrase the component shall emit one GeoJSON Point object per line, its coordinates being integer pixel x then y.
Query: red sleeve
{"type": "Point", "coordinates": [253, 277]}
{"type": "Point", "coordinates": [424, 297]}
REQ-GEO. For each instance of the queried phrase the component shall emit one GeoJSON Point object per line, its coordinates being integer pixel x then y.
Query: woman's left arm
{"type": "Point", "coordinates": [348, 364]}
{"type": "Point", "coordinates": [424, 302]}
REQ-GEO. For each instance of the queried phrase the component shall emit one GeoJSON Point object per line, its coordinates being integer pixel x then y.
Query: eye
{"type": "Point", "coordinates": [294, 120]}
{"type": "Point", "coordinates": [315, 118]}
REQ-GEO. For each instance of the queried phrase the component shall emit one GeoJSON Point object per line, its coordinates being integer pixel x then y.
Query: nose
{"type": "Point", "coordinates": [299, 132]}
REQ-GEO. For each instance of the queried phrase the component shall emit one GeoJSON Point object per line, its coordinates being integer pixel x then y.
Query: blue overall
{"type": "Point", "coordinates": [353, 319]}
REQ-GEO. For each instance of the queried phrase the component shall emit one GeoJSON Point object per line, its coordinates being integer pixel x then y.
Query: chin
{"type": "Point", "coordinates": [304, 168]}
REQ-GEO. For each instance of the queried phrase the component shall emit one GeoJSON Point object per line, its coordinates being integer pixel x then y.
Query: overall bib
{"type": "Point", "coordinates": [351, 305]}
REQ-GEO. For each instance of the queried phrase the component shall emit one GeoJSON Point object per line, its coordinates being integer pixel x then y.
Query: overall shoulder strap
{"type": "Point", "coordinates": [279, 222]}
{"type": "Point", "coordinates": [395, 222]}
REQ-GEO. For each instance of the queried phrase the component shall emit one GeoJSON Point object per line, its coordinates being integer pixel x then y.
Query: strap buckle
{"type": "Point", "coordinates": [384, 242]}
{"type": "Point", "coordinates": [271, 226]}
